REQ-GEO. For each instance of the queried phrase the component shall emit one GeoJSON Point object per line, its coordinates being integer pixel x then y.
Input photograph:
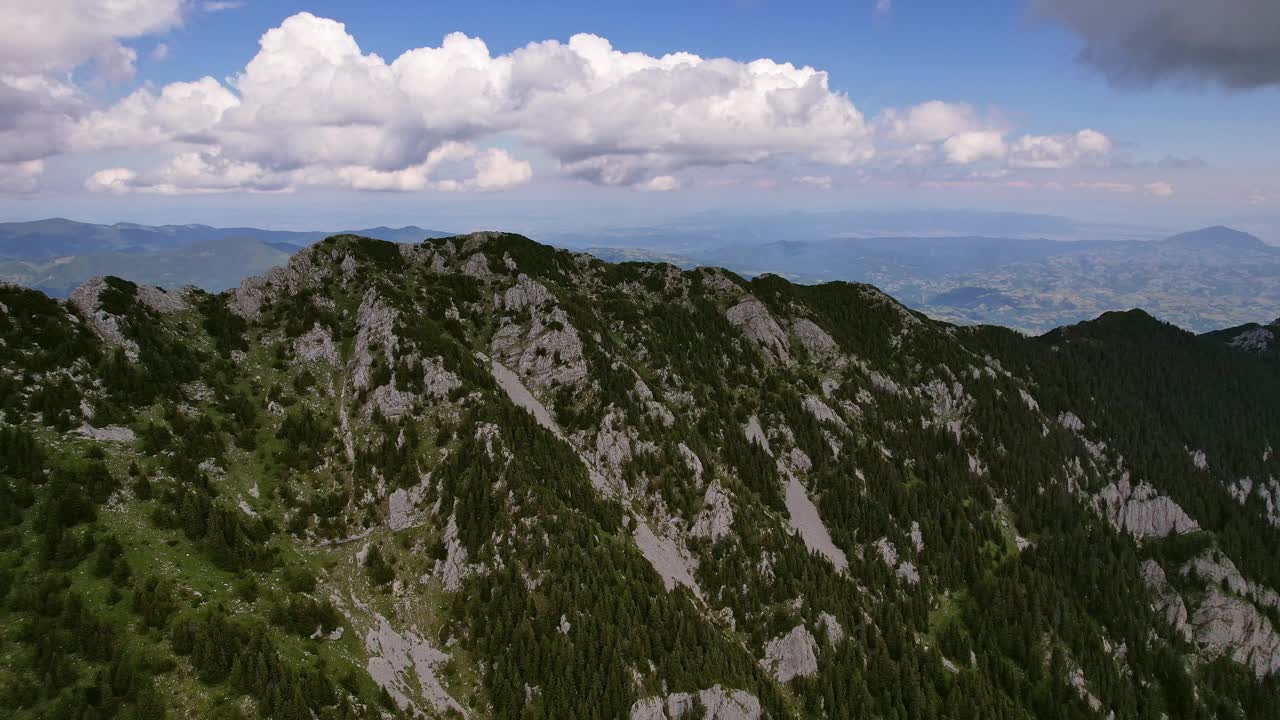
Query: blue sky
{"type": "Point", "coordinates": [1018, 121]}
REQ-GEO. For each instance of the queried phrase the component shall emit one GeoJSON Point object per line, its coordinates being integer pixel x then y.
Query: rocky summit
{"type": "Point", "coordinates": [481, 478]}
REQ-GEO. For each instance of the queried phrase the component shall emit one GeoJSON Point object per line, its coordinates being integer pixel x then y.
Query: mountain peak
{"type": "Point", "coordinates": [1217, 236]}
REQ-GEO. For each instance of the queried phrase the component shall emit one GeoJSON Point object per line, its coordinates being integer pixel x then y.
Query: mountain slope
{"type": "Point", "coordinates": [479, 476]}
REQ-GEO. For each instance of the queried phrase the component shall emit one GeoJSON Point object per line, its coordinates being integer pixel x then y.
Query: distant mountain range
{"type": "Point", "coordinates": [57, 255]}
{"type": "Point", "coordinates": [1202, 280]}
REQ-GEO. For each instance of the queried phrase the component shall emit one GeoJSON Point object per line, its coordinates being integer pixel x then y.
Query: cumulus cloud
{"type": "Point", "coordinates": [452, 167]}
{"type": "Point", "coordinates": [43, 36]}
{"type": "Point", "coordinates": [1060, 151]}
{"type": "Point", "coordinates": [662, 183]}
{"type": "Point", "coordinates": [21, 177]}
{"type": "Point", "coordinates": [927, 122]}
{"type": "Point", "coordinates": [41, 41]}
{"type": "Point", "coordinates": [970, 147]}
{"type": "Point", "coordinates": [312, 108]}
{"type": "Point", "coordinates": [1139, 42]}
{"type": "Point", "coordinates": [312, 98]}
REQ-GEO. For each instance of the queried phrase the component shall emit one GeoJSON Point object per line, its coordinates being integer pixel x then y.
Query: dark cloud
{"type": "Point", "coordinates": [1141, 42]}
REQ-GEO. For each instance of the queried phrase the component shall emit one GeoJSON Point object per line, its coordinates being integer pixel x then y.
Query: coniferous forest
{"type": "Point", "coordinates": [480, 477]}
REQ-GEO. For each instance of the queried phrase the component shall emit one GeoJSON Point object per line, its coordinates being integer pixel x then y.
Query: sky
{"type": "Point", "coordinates": [576, 114]}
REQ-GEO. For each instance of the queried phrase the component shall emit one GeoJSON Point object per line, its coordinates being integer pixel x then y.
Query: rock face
{"type": "Point", "coordinates": [752, 318]}
{"type": "Point", "coordinates": [1143, 512]}
{"type": "Point", "coordinates": [829, 624]}
{"type": "Point", "coordinates": [1228, 625]}
{"type": "Point", "coordinates": [754, 433]}
{"type": "Point", "coordinates": [521, 396]}
{"type": "Point", "coordinates": [716, 519]}
{"type": "Point", "coordinates": [806, 521]}
{"type": "Point", "coordinates": [547, 350]}
{"type": "Point", "coordinates": [454, 568]}
{"type": "Point", "coordinates": [718, 703]}
{"type": "Point", "coordinates": [1255, 340]}
{"type": "Point", "coordinates": [813, 338]}
{"type": "Point", "coordinates": [395, 659]}
{"type": "Point", "coordinates": [316, 345]}
{"type": "Point", "coordinates": [666, 558]}
{"type": "Point", "coordinates": [299, 273]}
{"type": "Point", "coordinates": [1167, 600]}
{"type": "Point", "coordinates": [821, 411]}
{"type": "Point", "coordinates": [87, 298]}
{"type": "Point", "coordinates": [792, 655]}
{"type": "Point", "coordinates": [110, 433]}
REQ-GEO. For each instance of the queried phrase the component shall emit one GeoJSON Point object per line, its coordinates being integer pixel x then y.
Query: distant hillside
{"type": "Point", "coordinates": [1201, 280]}
{"type": "Point", "coordinates": [54, 256]}
{"type": "Point", "coordinates": [59, 237]}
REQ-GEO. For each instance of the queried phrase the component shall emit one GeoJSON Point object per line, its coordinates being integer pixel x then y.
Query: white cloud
{"type": "Point", "coordinates": [35, 115]}
{"type": "Point", "coordinates": [312, 108]}
{"type": "Point", "coordinates": [160, 52]}
{"type": "Point", "coordinates": [1105, 186]}
{"type": "Point", "coordinates": [45, 36]}
{"type": "Point", "coordinates": [21, 177]}
{"type": "Point", "coordinates": [1159, 189]}
{"type": "Point", "coordinates": [1060, 151]}
{"type": "Point", "coordinates": [970, 147]}
{"type": "Point", "coordinates": [213, 6]}
{"type": "Point", "coordinates": [821, 182]}
{"type": "Point", "coordinates": [182, 111]}
{"type": "Point", "coordinates": [452, 167]}
{"type": "Point", "coordinates": [1256, 198]}
{"type": "Point", "coordinates": [662, 183]}
{"type": "Point", "coordinates": [41, 41]}
{"type": "Point", "coordinates": [928, 122]}
{"type": "Point", "coordinates": [312, 98]}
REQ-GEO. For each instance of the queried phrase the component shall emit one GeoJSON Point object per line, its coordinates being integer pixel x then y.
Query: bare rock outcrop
{"type": "Point", "coordinates": [755, 433]}
{"type": "Point", "coordinates": [667, 559]}
{"type": "Point", "coordinates": [716, 519]}
{"type": "Point", "coordinates": [316, 345]}
{"type": "Point", "coordinates": [526, 293]}
{"type": "Point", "coordinates": [752, 318]}
{"type": "Point", "coordinates": [300, 272]}
{"type": "Point", "coordinates": [88, 298]}
{"type": "Point", "coordinates": [813, 338]}
{"type": "Point", "coordinates": [808, 524]}
{"type": "Point", "coordinates": [1225, 624]}
{"type": "Point", "coordinates": [791, 655]}
{"type": "Point", "coordinates": [546, 352]}
{"type": "Point", "coordinates": [110, 433]}
{"type": "Point", "coordinates": [1255, 340]}
{"type": "Point", "coordinates": [454, 568]}
{"type": "Point", "coordinates": [1141, 511]}
{"type": "Point", "coordinates": [718, 703]}
{"type": "Point", "coordinates": [822, 412]}
{"type": "Point", "coordinates": [831, 626]}
{"type": "Point", "coordinates": [1167, 600]}
{"type": "Point", "coordinates": [396, 659]}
